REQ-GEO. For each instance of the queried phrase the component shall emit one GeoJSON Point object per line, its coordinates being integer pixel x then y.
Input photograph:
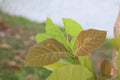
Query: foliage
{"type": "Point", "coordinates": [16, 38]}
{"type": "Point", "coordinates": [89, 40]}
{"type": "Point", "coordinates": [116, 43]}
{"type": "Point", "coordinates": [71, 72]}
{"type": "Point", "coordinates": [70, 30]}
{"type": "Point", "coordinates": [85, 61]}
{"type": "Point", "coordinates": [70, 49]}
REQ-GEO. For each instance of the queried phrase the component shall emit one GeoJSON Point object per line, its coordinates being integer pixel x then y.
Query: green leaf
{"type": "Point", "coordinates": [85, 61]}
{"type": "Point", "coordinates": [53, 30]}
{"type": "Point", "coordinates": [71, 72]}
{"type": "Point", "coordinates": [42, 36]}
{"type": "Point", "coordinates": [72, 42]}
{"type": "Point", "coordinates": [70, 60]}
{"type": "Point", "coordinates": [116, 42]}
{"type": "Point", "coordinates": [113, 78]}
{"type": "Point", "coordinates": [88, 40]}
{"type": "Point", "coordinates": [46, 52]}
{"type": "Point", "coordinates": [72, 27]}
{"type": "Point", "coordinates": [118, 63]}
{"type": "Point", "coordinates": [116, 78]}
{"type": "Point", "coordinates": [54, 66]}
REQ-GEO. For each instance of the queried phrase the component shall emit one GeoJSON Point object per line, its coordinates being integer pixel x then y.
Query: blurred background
{"type": "Point", "coordinates": [21, 20]}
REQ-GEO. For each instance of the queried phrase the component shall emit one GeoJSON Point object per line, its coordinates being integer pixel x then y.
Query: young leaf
{"type": "Point", "coordinates": [106, 68]}
{"type": "Point", "coordinates": [71, 72]}
{"type": "Point", "coordinates": [52, 29]}
{"type": "Point", "coordinates": [113, 78]}
{"type": "Point", "coordinates": [54, 66]}
{"type": "Point", "coordinates": [116, 42]}
{"type": "Point", "coordinates": [46, 52]}
{"type": "Point", "coordinates": [85, 61]}
{"type": "Point", "coordinates": [72, 42]}
{"type": "Point", "coordinates": [72, 27]}
{"type": "Point", "coordinates": [42, 36]}
{"type": "Point", "coordinates": [88, 40]}
{"type": "Point", "coordinates": [70, 60]}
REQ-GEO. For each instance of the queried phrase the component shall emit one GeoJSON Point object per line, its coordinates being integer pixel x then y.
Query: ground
{"type": "Point", "coordinates": [16, 37]}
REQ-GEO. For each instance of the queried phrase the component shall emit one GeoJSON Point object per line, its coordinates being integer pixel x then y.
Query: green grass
{"type": "Point", "coordinates": [19, 21]}
{"type": "Point", "coordinates": [25, 29]}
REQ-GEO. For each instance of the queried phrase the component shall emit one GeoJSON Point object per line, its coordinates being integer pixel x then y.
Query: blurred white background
{"type": "Point", "coordinates": [98, 14]}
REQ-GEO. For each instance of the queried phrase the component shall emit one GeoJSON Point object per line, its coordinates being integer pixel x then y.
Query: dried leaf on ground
{"type": "Point", "coordinates": [5, 46]}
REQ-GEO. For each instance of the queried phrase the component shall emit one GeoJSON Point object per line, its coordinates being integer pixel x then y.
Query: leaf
{"type": "Point", "coordinates": [42, 36]}
{"type": "Point", "coordinates": [71, 72]}
{"type": "Point", "coordinates": [46, 52]}
{"type": "Point", "coordinates": [88, 40]}
{"type": "Point", "coordinates": [72, 27]}
{"type": "Point", "coordinates": [118, 63]}
{"type": "Point", "coordinates": [54, 66]}
{"type": "Point", "coordinates": [113, 78]}
{"type": "Point", "coordinates": [70, 60]}
{"type": "Point", "coordinates": [72, 42]}
{"type": "Point", "coordinates": [85, 61]}
{"type": "Point", "coordinates": [12, 64]}
{"type": "Point", "coordinates": [53, 30]}
{"type": "Point", "coordinates": [106, 68]}
{"type": "Point", "coordinates": [116, 42]}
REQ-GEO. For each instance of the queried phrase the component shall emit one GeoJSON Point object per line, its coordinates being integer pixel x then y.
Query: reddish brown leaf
{"type": "Point", "coordinates": [88, 40]}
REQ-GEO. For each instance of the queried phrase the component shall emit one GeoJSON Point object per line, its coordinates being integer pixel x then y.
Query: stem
{"type": "Point", "coordinates": [67, 40]}
{"type": "Point", "coordinates": [75, 58]}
